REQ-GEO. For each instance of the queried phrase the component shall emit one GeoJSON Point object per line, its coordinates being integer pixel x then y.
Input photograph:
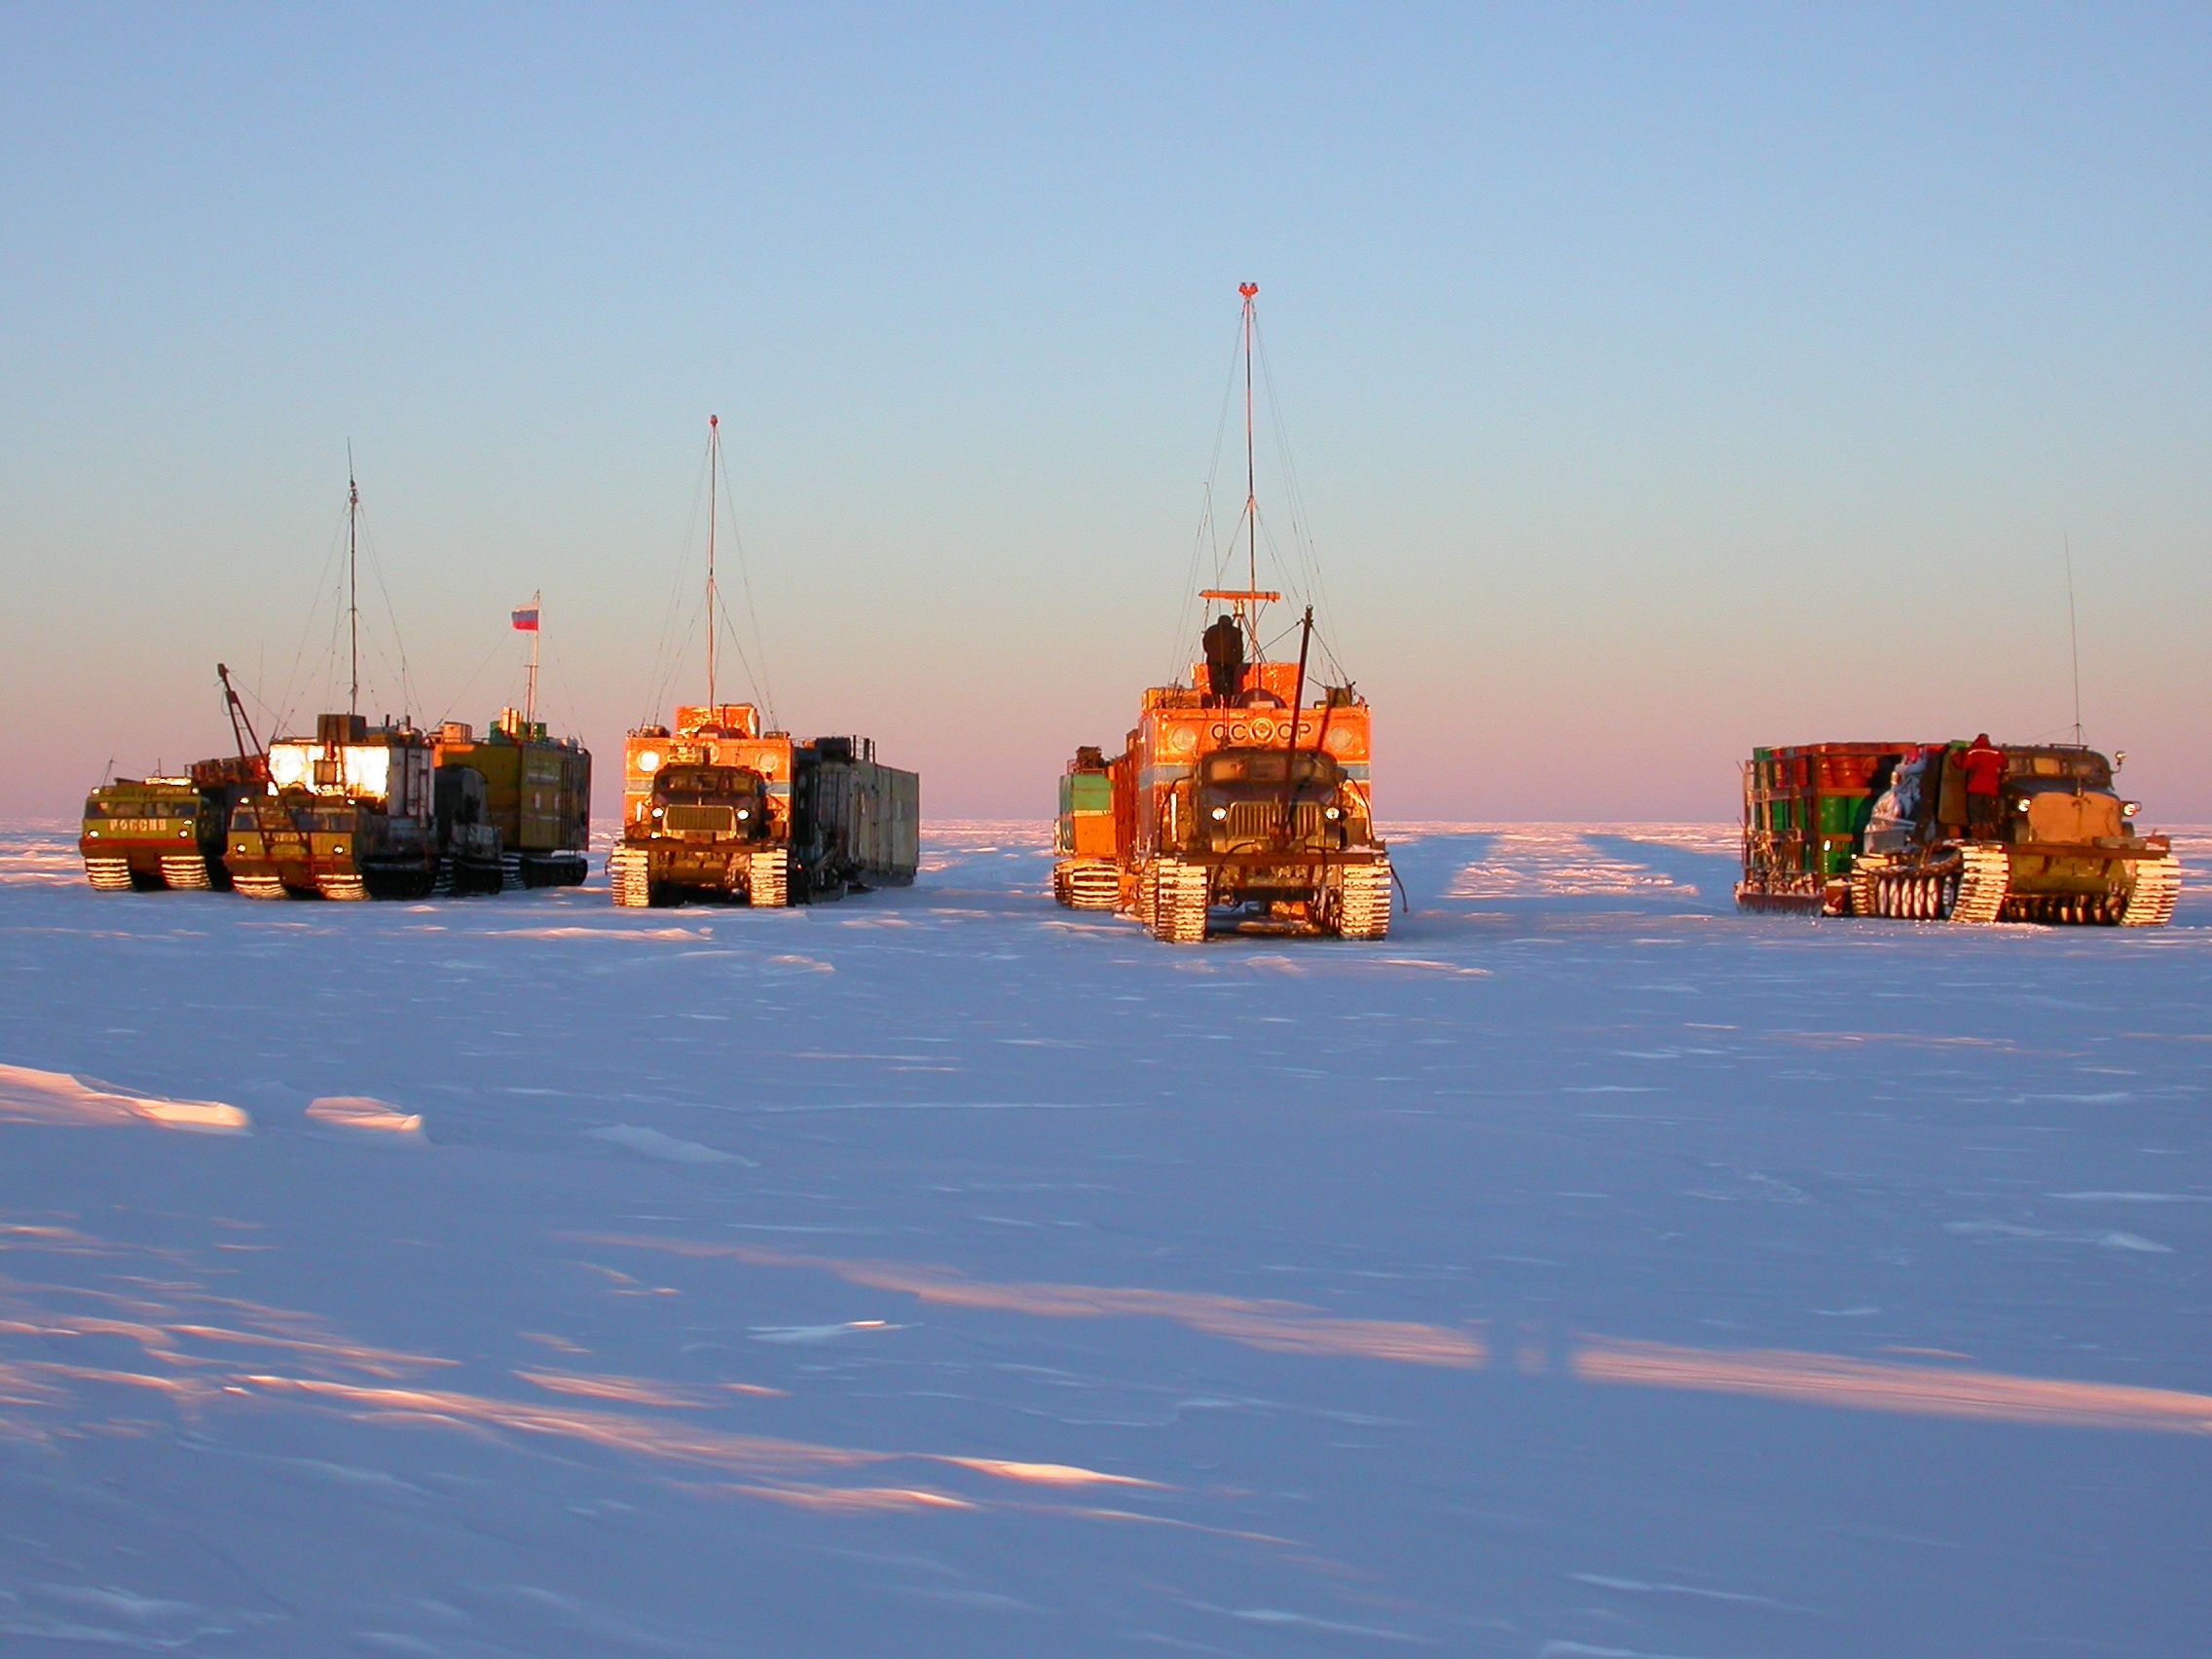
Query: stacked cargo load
{"type": "Point", "coordinates": [1805, 815]}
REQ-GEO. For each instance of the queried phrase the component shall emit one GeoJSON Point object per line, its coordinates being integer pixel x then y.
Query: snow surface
{"type": "Point", "coordinates": [1585, 1271]}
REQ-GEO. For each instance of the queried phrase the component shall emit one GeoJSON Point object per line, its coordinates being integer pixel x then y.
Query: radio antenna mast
{"type": "Point", "coordinates": [352, 581]}
{"type": "Point", "coordinates": [1251, 486]}
{"type": "Point", "coordinates": [2074, 639]}
{"type": "Point", "coordinates": [714, 497]}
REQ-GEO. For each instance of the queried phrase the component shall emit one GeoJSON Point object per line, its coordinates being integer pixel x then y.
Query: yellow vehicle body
{"type": "Point", "coordinates": [538, 795]}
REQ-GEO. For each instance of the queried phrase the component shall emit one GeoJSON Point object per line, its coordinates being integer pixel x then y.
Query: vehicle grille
{"type": "Point", "coordinates": [700, 820]}
{"type": "Point", "coordinates": [1262, 820]}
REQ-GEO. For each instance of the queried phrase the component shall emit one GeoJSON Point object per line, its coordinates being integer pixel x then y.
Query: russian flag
{"type": "Point", "coordinates": [526, 619]}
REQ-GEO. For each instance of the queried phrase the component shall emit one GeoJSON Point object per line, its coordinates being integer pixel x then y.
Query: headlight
{"type": "Point", "coordinates": [2130, 808]}
{"type": "Point", "coordinates": [1332, 814]}
{"type": "Point", "coordinates": [94, 833]}
{"type": "Point", "coordinates": [743, 813]}
{"type": "Point", "coordinates": [656, 812]}
{"type": "Point", "coordinates": [1221, 814]}
{"type": "Point", "coordinates": [2019, 806]}
{"type": "Point", "coordinates": [648, 760]}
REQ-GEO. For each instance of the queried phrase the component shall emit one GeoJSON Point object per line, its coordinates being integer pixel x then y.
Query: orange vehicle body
{"type": "Point", "coordinates": [728, 734]}
{"type": "Point", "coordinates": [714, 806]}
{"type": "Point", "coordinates": [1226, 801]}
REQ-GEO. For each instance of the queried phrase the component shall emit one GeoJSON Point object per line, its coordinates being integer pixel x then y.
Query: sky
{"type": "Point", "coordinates": [1659, 381]}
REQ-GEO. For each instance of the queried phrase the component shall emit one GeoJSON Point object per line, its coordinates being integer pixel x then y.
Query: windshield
{"type": "Point", "coordinates": [2084, 766]}
{"type": "Point", "coordinates": [1268, 766]}
{"type": "Point", "coordinates": [708, 781]}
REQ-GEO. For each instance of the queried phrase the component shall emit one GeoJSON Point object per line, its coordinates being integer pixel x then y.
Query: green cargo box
{"type": "Point", "coordinates": [1087, 792]}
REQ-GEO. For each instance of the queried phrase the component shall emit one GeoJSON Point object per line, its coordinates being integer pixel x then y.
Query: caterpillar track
{"type": "Point", "coordinates": [348, 889]}
{"type": "Point", "coordinates": [1179, 901]}
{"type": "Point", "coordinates": [629, 877]}
{"type": "Point", "coordinates": [108, 875]}
{"type": "Point", "coordinates": [1865, 878]}
{"type": "Point", "coordinates": [1977, 891]}
{"type": "Point", "coordinates": [2158, 887]}
{"type": "Point", "coordinates": [259, 886]}
{"type": "Point", "coordinates": [187, 871]}
{"type": "Point", "coordinates": [1986, 874]}
{"type": "Point", "coordinates": [1363, 905]}
{"type": "Point", "coordinates": [1969, 888]}
{"type": "Point", "coordinates": [768, 879]}
{"type": "Point", "coordinates": [1087, 884]}
{"type": "Point", "coordinates": [555, 869]}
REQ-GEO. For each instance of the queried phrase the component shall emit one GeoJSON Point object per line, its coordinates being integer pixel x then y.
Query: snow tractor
{"type": "Point", "coordinates": [718, 808]}
{"type": "Point", "coordinates": [538, 795]}
{"type": "Point", "coordinates": [1883, 830]}
{"type": "Point", "coordinates": [151, 832]}
{"type": "Point", "coordinates": [1085, 868]}
{"type": "Point", "coordinates": [1237, 802]}
{"type": "Point", "coordinates": [352, 815]}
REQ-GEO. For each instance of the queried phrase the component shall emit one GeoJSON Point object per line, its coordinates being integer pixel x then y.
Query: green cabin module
{"type": "Point", "coordinates": [1087, 836]}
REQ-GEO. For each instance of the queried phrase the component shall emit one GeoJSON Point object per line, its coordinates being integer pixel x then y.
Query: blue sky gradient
{"type": "Point", "coordinates": [1660, 380]}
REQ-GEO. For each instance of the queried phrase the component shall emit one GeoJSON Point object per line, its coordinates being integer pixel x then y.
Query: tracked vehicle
{"type": "Point", "coordinates": [536, 796]}
{"type": "Point", "coordinates": [151, 832]}
{"type": "Point", "coordinates": [352, 815]}
{"type": "Point", "coordinates": [361, 811]}
{"type": "Point", "coordinates": [714, 806]}
{"type": "Point", "coordinates": [717, 808]}
{"type": "Point", "coordinates": [1238, 801]}
{"type": "Point", "coordinates": [1881, 830]}
{"type": "Point", "coordinates": [1237, 804]}
{"type": "Point", "coordinates": [1086, 872]}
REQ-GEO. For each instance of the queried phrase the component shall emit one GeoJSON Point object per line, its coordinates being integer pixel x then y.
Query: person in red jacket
{"type": "Point", "coordinates": [1984, 764]}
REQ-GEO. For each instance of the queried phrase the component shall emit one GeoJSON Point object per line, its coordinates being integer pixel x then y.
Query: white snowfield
{"type": "Point", "coordinates": [1585, 1272]}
